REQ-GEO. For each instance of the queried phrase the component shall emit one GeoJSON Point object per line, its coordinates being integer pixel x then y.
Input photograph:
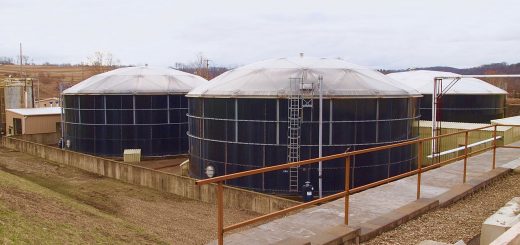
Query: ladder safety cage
{"type": "Point", "coordinates": [301, 96]}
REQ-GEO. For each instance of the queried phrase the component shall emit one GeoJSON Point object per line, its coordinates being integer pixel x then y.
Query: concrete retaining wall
{"type": "Point", "coordinates": [162, 181]}
{"type": "Point", "coordinates": [46, 139]}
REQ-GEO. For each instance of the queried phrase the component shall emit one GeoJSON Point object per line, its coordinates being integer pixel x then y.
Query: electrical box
{"type": "Point", "coordinates": [132, 155]}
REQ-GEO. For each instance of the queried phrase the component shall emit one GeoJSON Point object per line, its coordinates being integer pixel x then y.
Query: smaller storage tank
{"type": "Point", "coordinates": [129, 108]}
{"type": "Point", "coordinates": [469, 100]}
{"type": "Point", "coordinates": [15, 93]}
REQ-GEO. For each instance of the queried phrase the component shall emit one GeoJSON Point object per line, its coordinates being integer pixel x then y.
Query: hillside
{"type": "Point", "coordinates": [46, 203]}
{"type": "Point", "coordinates": [51, 76]}
{"type": "Point", "coordinates": [512, 85]}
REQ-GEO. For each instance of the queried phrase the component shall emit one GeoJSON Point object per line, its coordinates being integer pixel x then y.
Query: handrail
{"type": "Point", "coordinates": [346, 194]}
{"type": "Point", "coordinates": [325, 158]}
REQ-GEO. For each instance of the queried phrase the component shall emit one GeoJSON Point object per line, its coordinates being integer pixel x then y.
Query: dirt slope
{"type": "Point", "coordinates": [41, 202]}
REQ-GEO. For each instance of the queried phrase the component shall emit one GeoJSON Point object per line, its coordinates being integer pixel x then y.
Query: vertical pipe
{"type": "Point", "coordinates": [277, 121]}
{"type": "Point", "coordinates": [419, 167]}
{"type": "Point", "coordinates": [494, 145]}
{"type": "Point", "coordinates": [330, 121]}
{"type": "Point", "coordinates": [220, 214]}
{"type": "Point", "coordinates": [133, 108]}
{"type": "Point", "coordinates": [167, 107]}
{"type": "Point", "coordinates": [434, 114]}
{"type": "Point", "coordinates": [347, 187]}
{"type": "Point", "coordinates": [320, 139]}
{"type": "Point", "coordinates": [62, 117]}
{"type": "Point", "coordinates": [465, 156]}
{"type": "Point", "coordinates": [236, 120]}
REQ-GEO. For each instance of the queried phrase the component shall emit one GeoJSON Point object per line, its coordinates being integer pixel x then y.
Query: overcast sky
{"type": "Point", "coordinates": [378, 34]}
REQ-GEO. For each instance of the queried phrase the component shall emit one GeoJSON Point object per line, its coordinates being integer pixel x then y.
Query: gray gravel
{"type": "Point", "coordinates": [461, 220]}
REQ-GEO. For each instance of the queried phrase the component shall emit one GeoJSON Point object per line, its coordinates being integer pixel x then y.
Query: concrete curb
{"type": "Point", "coordinates": [389, 221]}
{"type": "Point", "coordinates": [374, 227]}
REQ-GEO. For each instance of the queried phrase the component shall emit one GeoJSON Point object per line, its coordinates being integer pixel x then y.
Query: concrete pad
{"type": "Point", "coordinates": [512, 164]}
{"type": "Point", "coordinates": [391, 220]}
{"type": "Point", "coordinates": [293, 241]}
{"type": "Point", "coordinates": [488, 177]}
{"type": "Point", "coordinates": [500, 221]}
{"type": "Point", "coordinates": [336, 235]}
{"type": "Point", "coordinates": [454, 194]}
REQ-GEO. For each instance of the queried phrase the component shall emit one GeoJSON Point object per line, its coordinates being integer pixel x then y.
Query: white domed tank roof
{"type": "Point", "coordinates": [271, 78]}
{"type": "Point", "coordinates": [138, 80]}
{"type": "Point", "coordinates": [422, 81]}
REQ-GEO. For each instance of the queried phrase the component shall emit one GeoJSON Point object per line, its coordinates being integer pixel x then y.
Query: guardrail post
{"type": "Point", "coordinates": [494, 145]}
{"type": "Point", "coordinates": [465, 156]}
{"type": "Point", "coordinates": [419, 167]}
{"type": "Point", "coordinates": [220, 214]}
{"type": "Point", "coordinates": [347, 187]}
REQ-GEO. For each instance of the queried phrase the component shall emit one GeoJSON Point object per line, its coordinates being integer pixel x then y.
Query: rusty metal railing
{"type": "Point", "coordinates": [348, 191]}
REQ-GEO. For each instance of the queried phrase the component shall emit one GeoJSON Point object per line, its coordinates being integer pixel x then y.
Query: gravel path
{"type": "Point", "coordinates": [461, 220]}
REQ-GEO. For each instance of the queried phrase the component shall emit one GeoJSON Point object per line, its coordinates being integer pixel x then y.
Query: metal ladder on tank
{"type": "Point", "coordinates": [301, 96]}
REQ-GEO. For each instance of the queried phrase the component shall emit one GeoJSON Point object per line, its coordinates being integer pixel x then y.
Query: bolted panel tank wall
{"type": "Point", "coordinates": [472, 108]}
{"type": "Point", "coordinates": [107, 124]}
{"type": "Point", "coordinates": [239, 134]}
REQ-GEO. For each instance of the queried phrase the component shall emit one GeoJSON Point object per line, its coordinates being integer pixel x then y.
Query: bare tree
{"type": "Point", "coordinates": [201, 66]}
{"type": "Point", "coordinates": [6, 61]}
{"type": "Point", "coordinates": [99, 60]}
{"type": "Point", "coordinates": [25, 60]}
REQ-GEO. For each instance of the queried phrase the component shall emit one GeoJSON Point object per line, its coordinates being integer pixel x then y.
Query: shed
{"type": "Point", "coordinates": [33, 120]}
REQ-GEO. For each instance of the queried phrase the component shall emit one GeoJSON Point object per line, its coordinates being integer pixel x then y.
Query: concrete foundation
{"type": "Point", "coordinates": [500, 221]}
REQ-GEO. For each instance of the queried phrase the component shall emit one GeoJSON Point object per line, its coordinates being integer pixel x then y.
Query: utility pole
{"type": "Point", "coordinates": [21, 61]}
{"type": "Point", "coordinates": [207, 68]}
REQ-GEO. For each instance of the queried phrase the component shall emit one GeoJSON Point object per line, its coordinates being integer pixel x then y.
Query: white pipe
{"type": "Point", "coordinates": [320, 139]}
{"type": "Point", "coordinates": [463, 147]}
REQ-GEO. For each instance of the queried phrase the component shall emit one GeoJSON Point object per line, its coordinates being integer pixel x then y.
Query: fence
{"type": "Point", "coordinates": [506, 134]}
{"type": "Point", "coordinates": [183, 186]}
{"type": "Point", "coordinates": [348, 191]}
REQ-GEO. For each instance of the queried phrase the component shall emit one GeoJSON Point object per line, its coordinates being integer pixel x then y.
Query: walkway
{"type": "Point", "coordinates": [373, 203]}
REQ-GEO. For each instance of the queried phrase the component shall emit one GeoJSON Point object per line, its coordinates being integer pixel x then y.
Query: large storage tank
{"type": "Point", "coordinates": [469, 100]}
{"type": "Point", "coordinates": [239, 121]}
{"type": "Point", "coordinates": [129, 108]}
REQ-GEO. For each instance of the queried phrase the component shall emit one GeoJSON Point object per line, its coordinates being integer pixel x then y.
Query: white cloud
{"type": "Point", "coordinates": [379, 34]}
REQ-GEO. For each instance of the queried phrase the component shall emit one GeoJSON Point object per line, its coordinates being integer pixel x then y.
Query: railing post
{"type": "Point", "coordinates": [494, 145]}
{"type": "Point", "coordinates": [419, 167]}
{"type": "Point", "coordinates": [465, 156]}
{"type": "Point", "coordinates": [220, 214]}
{"type": "Point", "coordinates": [347, 187]}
